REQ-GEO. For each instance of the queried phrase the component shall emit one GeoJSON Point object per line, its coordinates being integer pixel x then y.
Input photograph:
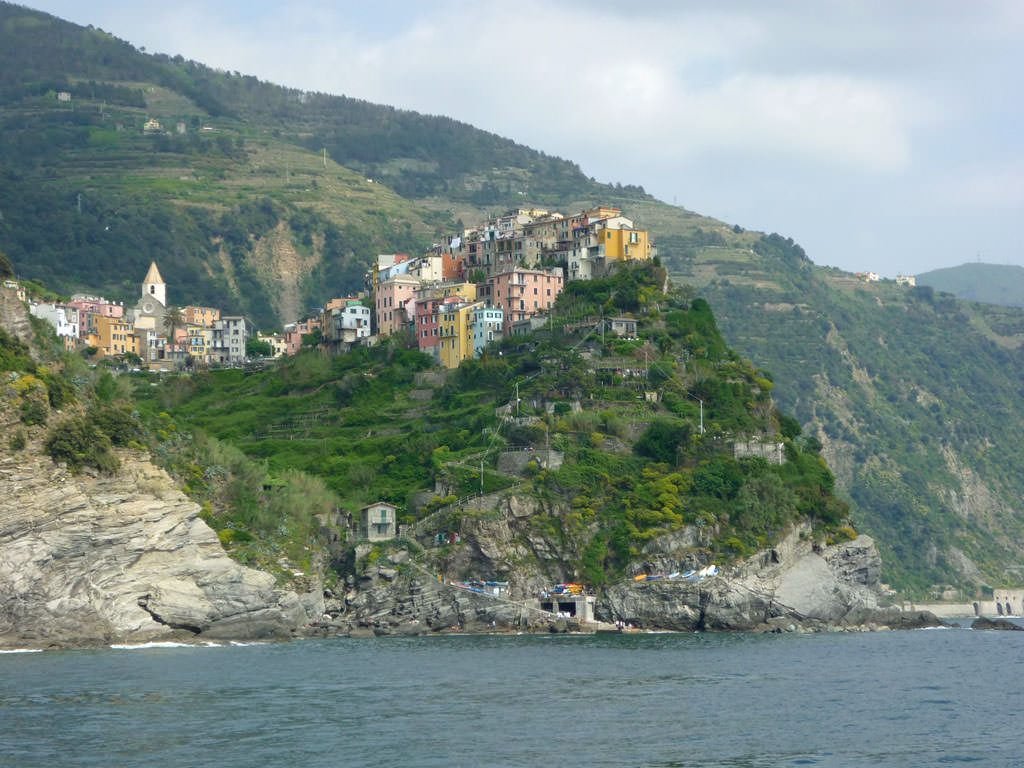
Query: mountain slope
{"type": "Point", "coordinates": [915, 397]}
{"type": "Point", "coordinates": [89, 196]}
{"type": "Point", "coordinates": [990, 283]}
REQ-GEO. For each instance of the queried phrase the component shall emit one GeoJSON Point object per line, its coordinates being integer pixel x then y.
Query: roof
{"type": "Point", "coordinates": [378, 504]}
{"type": "Point", "coordinates": [153, 276]}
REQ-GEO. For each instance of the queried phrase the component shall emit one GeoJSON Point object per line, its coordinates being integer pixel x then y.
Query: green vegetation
{"type": "Point", "coordinates": [79, 442]}
{"type": "Point", "coordinates": [913, 394]}
{"type": "Point", "coordinates": [14, 354]}
{"type": "Point", "coordinates": [356, 424]}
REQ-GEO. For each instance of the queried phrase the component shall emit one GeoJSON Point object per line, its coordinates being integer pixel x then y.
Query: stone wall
{"type": "Point", "coordinates": [773, 453]}
{"type": "Point", "coordinates": [514, 462]}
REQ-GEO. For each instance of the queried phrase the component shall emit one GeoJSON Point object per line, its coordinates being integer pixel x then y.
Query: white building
{"type": "Point", "coordinates": [65, 320]}
{"type": "Point", "coordinates": [377, 521]}
{"type": "Point", "coordinates": [229, 337]}
{"type": "Point", "coordinates": [486, 325]}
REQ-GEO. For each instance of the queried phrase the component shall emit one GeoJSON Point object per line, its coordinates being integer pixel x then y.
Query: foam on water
{"type": "Point", "coordinates": [162, 644]}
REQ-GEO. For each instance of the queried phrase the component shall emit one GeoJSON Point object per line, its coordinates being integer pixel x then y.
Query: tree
{"type": "Point", "coordinates": [662, 441]}
{"type": "Point", "coordinates": [258, 348]}
{"type": "Point", "coordinates": [173, 320]}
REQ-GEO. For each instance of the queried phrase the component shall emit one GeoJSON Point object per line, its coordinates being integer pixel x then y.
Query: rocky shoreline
{"type": "Point", "coordinates": [93, 560]}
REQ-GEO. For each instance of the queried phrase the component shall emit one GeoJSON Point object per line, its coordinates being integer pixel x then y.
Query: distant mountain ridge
{"type": "Point", "coordinates": [1001, 284]}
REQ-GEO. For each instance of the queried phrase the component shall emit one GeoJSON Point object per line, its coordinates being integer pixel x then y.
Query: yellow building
{"type": "Point", "coordinates": [456, 332]}
{"type": "Point", "coordinates": [626, 244]}
{"type": "Point", "coordinates": [466, 291]}
{"type": "Point", "coordinates": [114, 336]}
{"type": "Point", "coordinates": [200, 343]}
{"type": "Point", "coordinates": [276, 341]}
{"type": "Point", "coordinates": [204, 316]}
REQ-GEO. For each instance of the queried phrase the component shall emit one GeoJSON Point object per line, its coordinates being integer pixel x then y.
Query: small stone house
{"type": "Point", "coordinates": [377, 521]}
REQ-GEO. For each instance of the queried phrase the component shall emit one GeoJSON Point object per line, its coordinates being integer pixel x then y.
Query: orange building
{"type": "Point", "coordinates": [114, 336]}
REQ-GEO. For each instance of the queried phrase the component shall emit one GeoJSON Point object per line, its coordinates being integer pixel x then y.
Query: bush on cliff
{"type": "Point", "coordinates": [116, 423]}
{"type": "Point", "coordinates": [79, 442]}
{"type": "Point", "coordinates": [14, 354]}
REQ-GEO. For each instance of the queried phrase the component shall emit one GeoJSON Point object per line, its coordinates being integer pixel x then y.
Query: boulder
{"type": "Point", "coordinates": [985, 623]}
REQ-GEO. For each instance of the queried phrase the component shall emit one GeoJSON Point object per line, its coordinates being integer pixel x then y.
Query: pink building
{"type": "Point", "coordinates": [427, 321]}
{"type": "Point", "coordinates": [97, 305]}
{"type": "Point", "coordinates": [390, 300]}
{"type": "Point", "coordinates": [293, 333]}
{"type": "Point", "coordinates": [523, 293]}
{"type": "Point", "coordinates": [426, 313]}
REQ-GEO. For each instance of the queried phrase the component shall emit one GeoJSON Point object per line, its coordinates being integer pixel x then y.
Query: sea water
{"type": "Point", "coordinates": [919, 698]}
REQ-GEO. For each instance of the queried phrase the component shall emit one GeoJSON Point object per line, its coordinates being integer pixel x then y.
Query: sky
{"type": "Point", "coordinates": [881, 135]}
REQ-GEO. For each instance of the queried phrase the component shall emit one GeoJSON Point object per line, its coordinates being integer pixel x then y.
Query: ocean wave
{"type": "Point", "coordinates": [22, 650]}
{"type": "Point", "coordinates": [162, 644]}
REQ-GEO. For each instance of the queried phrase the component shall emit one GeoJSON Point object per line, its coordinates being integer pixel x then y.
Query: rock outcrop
{"type": "Point", "coordinates": [92, 559]}
{"type": "Point", "coordinates": [797, 584]}
{"type": "Point", "coordinates": [14, 318]}
{"type": "Point", "coordinates": [983, 622]}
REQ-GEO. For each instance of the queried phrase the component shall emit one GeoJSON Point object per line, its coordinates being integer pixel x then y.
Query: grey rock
{"type": "Point", "coordinates": [797, 583]}
{"type": "Point", "coordinates": [93, 560]}
{"type": "Point", "coordinates": [985, 623]}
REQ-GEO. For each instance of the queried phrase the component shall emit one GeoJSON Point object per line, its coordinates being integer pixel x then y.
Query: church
{"type": "Point", "coordinates": [148, 314]}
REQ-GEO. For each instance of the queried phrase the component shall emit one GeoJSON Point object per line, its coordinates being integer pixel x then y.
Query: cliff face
{"type": "Point", "coordinates": [87, 560]}
{"type": "Point", "coordinates": [796, 584]}
{"type": "Point", "coordinates": [13, 316]}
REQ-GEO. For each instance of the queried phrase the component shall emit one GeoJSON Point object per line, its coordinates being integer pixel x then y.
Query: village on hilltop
{"type": "Point", "coordinates": [484, 283]}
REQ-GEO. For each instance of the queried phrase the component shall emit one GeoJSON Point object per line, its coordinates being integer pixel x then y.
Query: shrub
{"type": "Point", "coordinates": [79, 443]}
{"type": "Point", "coordinates": [34, 410]}
{"type": "Point", "coordinates": [18, 441]}
{"type": "Point", "coordinates": [116, 423]}
{"type": "Point", "coordinates": [661, 441]}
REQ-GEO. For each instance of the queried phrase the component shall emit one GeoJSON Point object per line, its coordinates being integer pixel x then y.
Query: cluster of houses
{"type": "Point", "coordinates": [497, 279]}
{"type": "Point", "coordinates": [151, 333]}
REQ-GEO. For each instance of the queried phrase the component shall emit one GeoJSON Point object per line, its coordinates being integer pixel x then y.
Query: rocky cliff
{"type": "Point", "coordinates": [799, 583]}
{"type": "Point", "coordinates": [92, 559]}
{"type": "Point", "coordinates": [13, 316]}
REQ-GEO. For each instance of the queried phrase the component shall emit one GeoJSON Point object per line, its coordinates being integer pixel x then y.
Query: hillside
{"type": "Point", "coordinates": [608, 468]}
{"type": "Point", "coordinates": [632, 510]}
{"type": "Point", "coordinates": [915, 396]}
{"type": "Point", "coordinates": [1001, 284]}
{"type": "Point", "coordinates": [257, 198]}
